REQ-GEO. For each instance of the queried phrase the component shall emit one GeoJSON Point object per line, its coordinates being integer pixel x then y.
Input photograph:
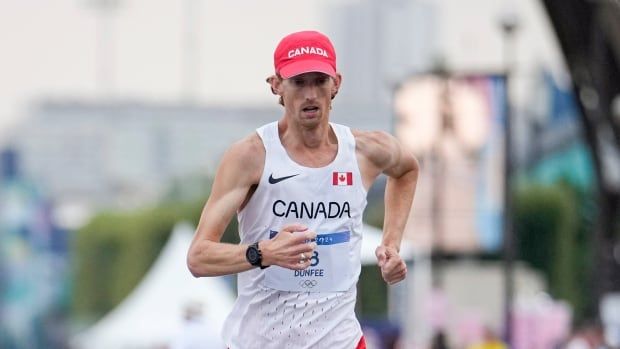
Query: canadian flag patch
{"type": "Point", "coordinates": [342, 178]}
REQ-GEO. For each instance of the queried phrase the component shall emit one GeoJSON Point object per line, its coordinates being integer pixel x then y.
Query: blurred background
{"type": "Point", "coordinates": [114, 115]}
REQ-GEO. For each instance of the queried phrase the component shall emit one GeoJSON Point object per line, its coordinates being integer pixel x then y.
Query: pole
{"type": "Point", "coordinates": [508, 28]}
{"type": "Point", "coordinates": [439, 168]}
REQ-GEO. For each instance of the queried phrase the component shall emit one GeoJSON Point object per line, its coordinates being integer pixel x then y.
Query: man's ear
{"type": "Point", "coordinates": [336, 87]}
{"type": "Point", "coordinates": [337, 83]}
{"type": "Point", "coordinates": [274, 83]}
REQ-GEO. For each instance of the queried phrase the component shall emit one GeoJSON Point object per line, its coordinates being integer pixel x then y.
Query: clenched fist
{"type": "Point", "coordinates": [393, 268]}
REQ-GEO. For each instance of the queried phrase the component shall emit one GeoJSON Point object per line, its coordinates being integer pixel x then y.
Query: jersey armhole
{"type": "Point", "coordinates": [354, 156]}
{"type": "Point", "coordinates": [261, 180]}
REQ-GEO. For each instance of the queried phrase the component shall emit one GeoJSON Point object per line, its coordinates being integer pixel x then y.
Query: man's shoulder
{"type": "Point", "coordinates": [247, 152]}
{"type": "Point", "coordinates": [371, 141]}
{"type": "Point", "coordinates": [372, 135]}
{"type": "Point", "coordinates": [378, 147]}
{"type": "Point", "coordinates": [251, 143]}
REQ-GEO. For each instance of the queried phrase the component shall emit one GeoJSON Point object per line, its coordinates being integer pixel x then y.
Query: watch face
{"type": "Point", "coordinates": [252, 255]}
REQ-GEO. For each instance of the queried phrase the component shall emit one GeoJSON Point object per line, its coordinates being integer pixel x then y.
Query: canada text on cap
{"type": "Point", "coordinates": [304, 52]}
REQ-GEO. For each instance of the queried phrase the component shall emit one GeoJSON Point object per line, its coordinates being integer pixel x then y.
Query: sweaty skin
{"type": "Point", "coordinates": [308, 139]}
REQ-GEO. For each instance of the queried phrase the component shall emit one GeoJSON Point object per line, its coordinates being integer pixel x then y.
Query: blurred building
{"type": "Point", "coordinates": [379, 43]}
{"type": "Point", "coordinates": [127, 153]}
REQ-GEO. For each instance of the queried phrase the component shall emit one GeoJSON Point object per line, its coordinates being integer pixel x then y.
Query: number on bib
{"type": "Point", "coordinates": [315, 259]}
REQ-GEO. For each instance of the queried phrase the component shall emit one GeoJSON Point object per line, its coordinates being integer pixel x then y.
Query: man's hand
{"type": "Point", "coordinates": [291, 248]}
{"type": "Point", "coordinates": [393, 268]}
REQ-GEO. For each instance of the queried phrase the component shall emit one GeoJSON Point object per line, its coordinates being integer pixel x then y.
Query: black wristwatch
{"type": "Point", "coordinates": [254, 256]}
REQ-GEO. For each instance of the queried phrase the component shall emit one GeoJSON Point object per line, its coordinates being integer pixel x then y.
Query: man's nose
{"type": "Point", "coordinates": [311, 92]}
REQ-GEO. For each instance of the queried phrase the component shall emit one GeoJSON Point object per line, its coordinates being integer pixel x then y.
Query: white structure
{"type": "Point", "coordinates": [468, 302]}
{"type": "Point", "coordinates": [153, 313]}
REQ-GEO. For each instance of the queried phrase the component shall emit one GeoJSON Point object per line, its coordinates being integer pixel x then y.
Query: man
{"type": "Point", "coordinates": [299, 188]}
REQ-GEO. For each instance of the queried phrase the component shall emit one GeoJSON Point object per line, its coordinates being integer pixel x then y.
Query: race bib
{"type": "Point", "coordinates": [330, 270]}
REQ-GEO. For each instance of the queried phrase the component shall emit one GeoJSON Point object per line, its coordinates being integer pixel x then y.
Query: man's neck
{"type": "Point", "coordinates": [310, 147]}
{"type": "Point", "coordinates": [295, 135]}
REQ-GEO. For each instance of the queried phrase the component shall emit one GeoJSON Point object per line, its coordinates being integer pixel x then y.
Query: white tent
{"type": "Point", "coordinates": [152, 314]}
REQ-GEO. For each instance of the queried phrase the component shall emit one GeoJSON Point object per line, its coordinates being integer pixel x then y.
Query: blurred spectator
{"type": "Point", "coordinates": [196, 332]}
{"type": "Point", "coordinates": [439, 340]}
{"type": "Point", "coordinates": [587, 337]}
{"type": "Point", "coordinates": [373, 338]}
{"type": "Point", "coordinates": [489, 341]}
{"type": "Point", "coordinates": [380, 334]}
{"type": "Point", "coordinates": [578, 342]}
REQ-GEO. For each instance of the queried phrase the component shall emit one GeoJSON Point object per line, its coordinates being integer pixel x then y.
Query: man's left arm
{"type": "Point", "coordinates": [389, 157]}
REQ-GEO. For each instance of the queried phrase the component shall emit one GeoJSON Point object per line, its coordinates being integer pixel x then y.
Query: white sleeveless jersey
{"type": "Point", "coordinates": [313, 308]}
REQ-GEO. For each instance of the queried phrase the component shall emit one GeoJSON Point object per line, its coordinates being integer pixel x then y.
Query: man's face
{"type": "Point", "coordinates": [307, 97]}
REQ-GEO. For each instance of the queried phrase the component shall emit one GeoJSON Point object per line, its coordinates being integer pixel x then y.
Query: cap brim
{"type": "Point", "coordinates": [307, 66]}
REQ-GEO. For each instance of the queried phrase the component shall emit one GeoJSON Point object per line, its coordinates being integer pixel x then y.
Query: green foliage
{"type": "Point", "coordinates": [372, 293]}
{"type": "Point", "coordinates": [115, 249]}
{"type": "Point", "coordinates": [552, 223]}
{"type": "Point", "coordinates": [372, 290]}
{"type": "Point", "coordinates": [375, 211]}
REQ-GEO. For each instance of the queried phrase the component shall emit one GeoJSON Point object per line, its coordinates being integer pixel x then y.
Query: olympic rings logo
{"type": "Point", "coordinates": [308, 283]}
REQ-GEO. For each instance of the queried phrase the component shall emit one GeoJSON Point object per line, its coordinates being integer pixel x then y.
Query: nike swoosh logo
{"type": "Point", "coordinates": [276, 180]}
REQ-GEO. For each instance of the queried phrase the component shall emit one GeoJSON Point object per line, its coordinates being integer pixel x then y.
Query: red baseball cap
{"type": "Point", "coordinates": [305, 52]}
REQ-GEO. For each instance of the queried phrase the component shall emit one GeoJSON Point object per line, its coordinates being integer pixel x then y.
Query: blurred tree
{"type": "Point", "coordinates": [372, 290]}
{"type": "Point", "coordinates": [372, 294]}
{"type": "Point", "coordinates": [552, 228]}
{"type": "Point", "coordinates": [115, 249]}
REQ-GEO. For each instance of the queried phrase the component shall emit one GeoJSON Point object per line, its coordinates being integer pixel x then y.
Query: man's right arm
{"type": "Point", "coordinates": [240, 169]}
